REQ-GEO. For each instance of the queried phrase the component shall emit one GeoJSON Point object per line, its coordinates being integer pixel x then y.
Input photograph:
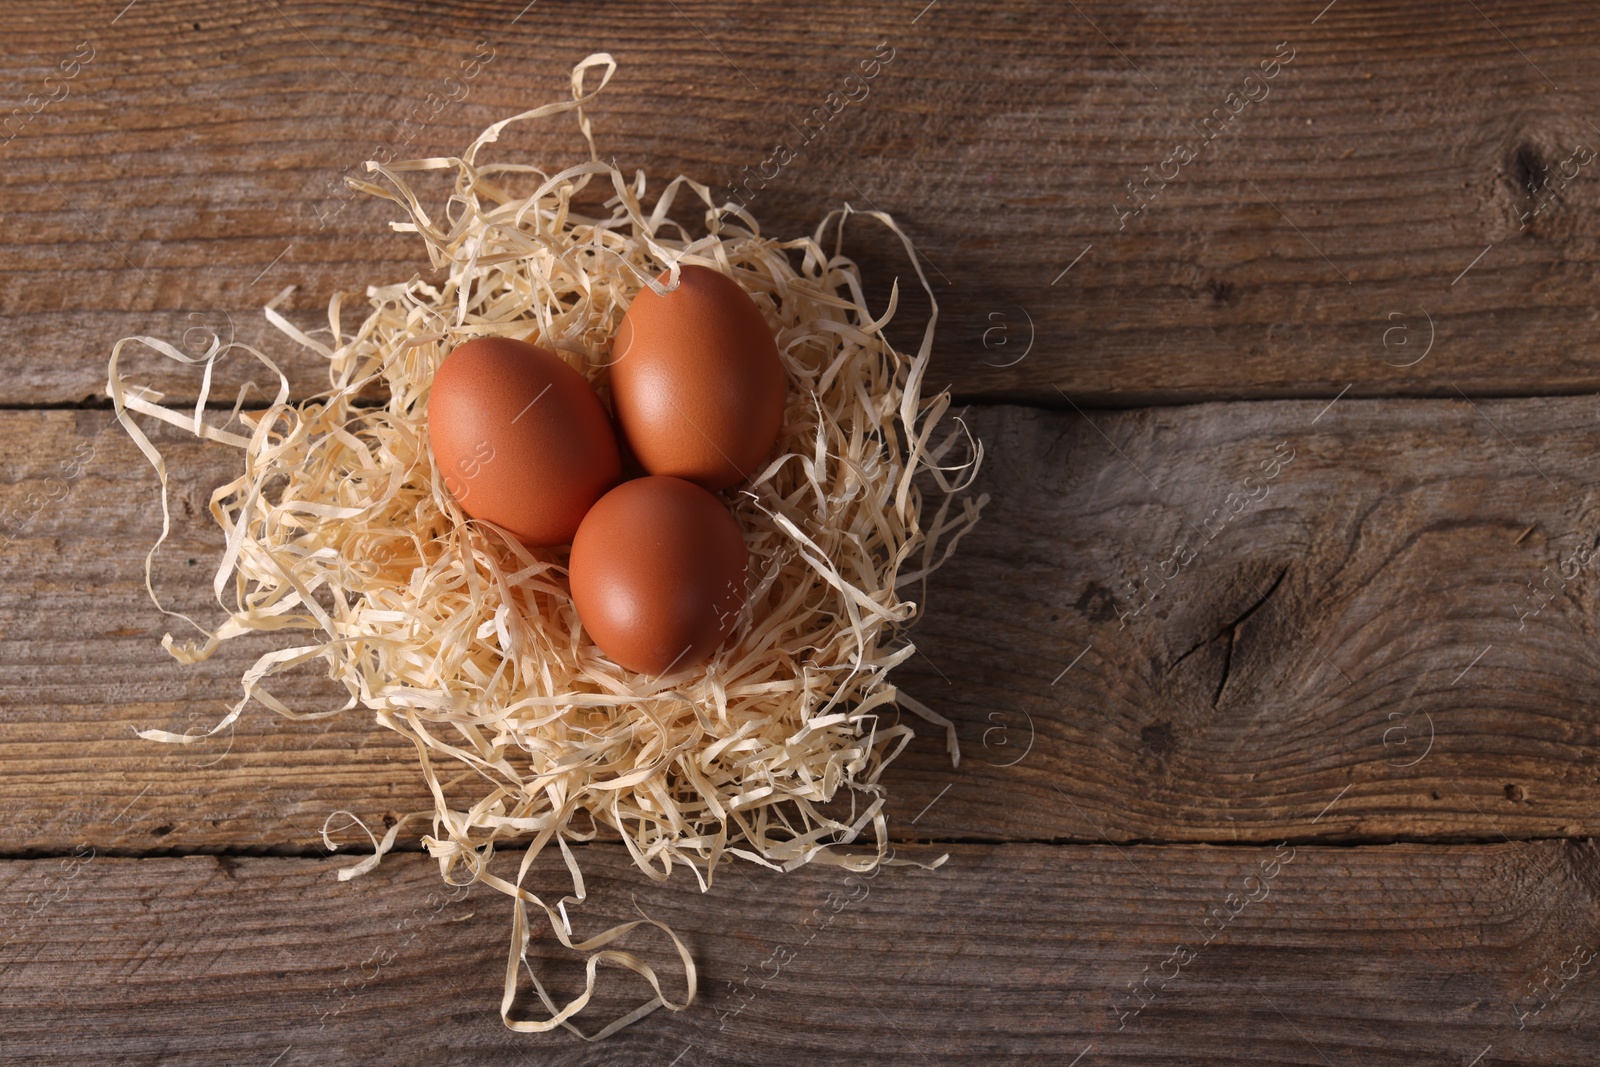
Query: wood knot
{"type": "Point", "coordinates": [1221, 292]}
{"type": "Point", "coordinates": [1539, 177]}
{"type": "Point", "coordinates": [1527, 169]}
{"type": "Point", "coordinates": [1159, 737]}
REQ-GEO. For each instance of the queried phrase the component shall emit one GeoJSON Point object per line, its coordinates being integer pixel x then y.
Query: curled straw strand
{"type": "Point", "coordinates": [341, 529]}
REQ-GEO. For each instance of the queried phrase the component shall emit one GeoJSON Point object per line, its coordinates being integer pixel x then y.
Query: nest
{"type": "Point", "coordinates": [340, 530]}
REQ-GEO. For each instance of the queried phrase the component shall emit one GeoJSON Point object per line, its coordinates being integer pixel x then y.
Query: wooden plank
{"type": "Point", "coordinates": [83, 668]}
{"type": "Point", "coordinates": [1398, 181]}
{"type": "Point", "coordinates": [1020, 952]}
{"type": "Point", "coordinates": [1356, 655]}
{"type": "Point", "coordinates": [1363, 621]}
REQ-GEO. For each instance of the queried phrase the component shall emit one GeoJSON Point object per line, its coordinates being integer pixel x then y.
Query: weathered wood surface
{"type": "Point", "coordinates": [1385, 643]}
{"type": "Point", "coordinates": [1345, 658]}
{"type": "Point", "coordinates": [1015, 953]}
{"type": "Point", "coordinates": [1387, 604]}
{"type": "Point", "coordinates": [191, 168]}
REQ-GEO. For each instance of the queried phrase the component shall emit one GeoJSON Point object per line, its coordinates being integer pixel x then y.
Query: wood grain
{"type": "Point", "coordinates": [1014, 953]}
{"type": "Point", "coordinates": [1375, 643]}
{"type": "Point", "coordinates": [1353, 656]}
{"type": "Point", "coordinates": [84, 669]}
{"type": "Point", "coordinates": [1396, 191]}
{"type": "Point", "coordinates": [1262, 630]}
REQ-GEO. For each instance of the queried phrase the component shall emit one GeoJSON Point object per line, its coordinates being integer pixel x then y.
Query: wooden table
{"type": "Point", "coordinates": [1318, 786]}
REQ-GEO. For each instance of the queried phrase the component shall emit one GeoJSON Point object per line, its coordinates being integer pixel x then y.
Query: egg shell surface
{"type": "Point", "coordinates": [697, 381]}
{"type": "Point", "coordinates": [657, 574]}
{"type": "Point", "coordinates": [520, 438]}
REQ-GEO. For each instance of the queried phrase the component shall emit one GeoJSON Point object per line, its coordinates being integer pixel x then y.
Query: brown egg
{"type": "Point", "coordinates": [658, 573]}
{"type": "Point", "coordinates": [520, 438]}
{"type": "Point", "coordinates": [696, 380]}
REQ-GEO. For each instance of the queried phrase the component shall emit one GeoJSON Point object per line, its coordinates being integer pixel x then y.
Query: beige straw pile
{"type": "Point", "coordinates": [340, 533]}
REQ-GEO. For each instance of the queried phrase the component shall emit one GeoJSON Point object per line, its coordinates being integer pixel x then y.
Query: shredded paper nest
{"type": "Point", "coordinates": [340, 532]}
